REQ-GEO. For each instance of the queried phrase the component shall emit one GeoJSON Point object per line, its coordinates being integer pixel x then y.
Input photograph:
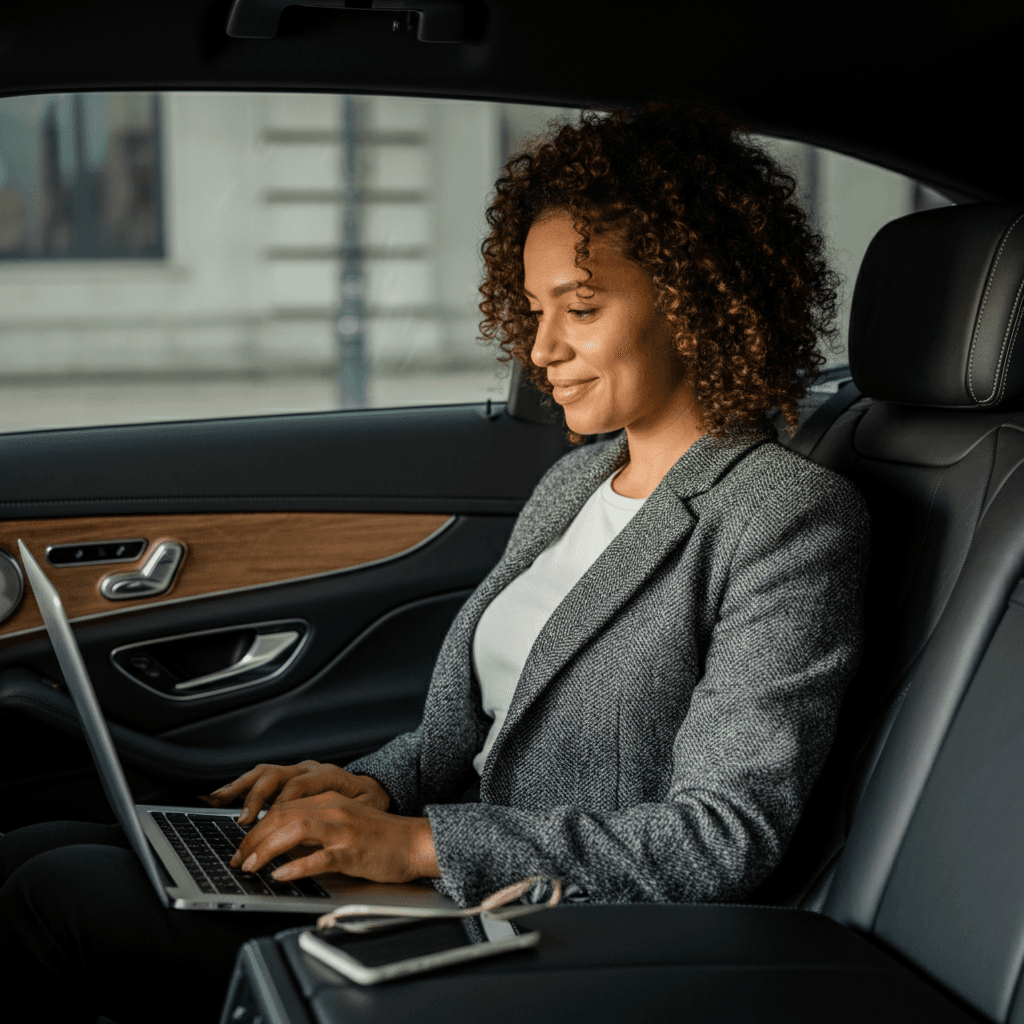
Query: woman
{"type": "Point", "coordinates": [646, 684]}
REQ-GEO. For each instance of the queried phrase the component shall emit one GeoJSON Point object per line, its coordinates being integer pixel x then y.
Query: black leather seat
{"type": "Point", "coordinates": [937, 448]}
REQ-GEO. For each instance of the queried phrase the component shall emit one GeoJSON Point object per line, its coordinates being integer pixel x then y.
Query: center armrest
{"type": "Point", "coordinates": [618, 963]}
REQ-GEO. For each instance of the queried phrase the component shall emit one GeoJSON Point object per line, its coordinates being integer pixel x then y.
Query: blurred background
{"type": "Point", "coordinates": [193, 255]}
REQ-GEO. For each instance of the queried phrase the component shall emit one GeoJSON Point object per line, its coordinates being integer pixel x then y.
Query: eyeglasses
{"type": "Point", "coordinates": [357, 917]}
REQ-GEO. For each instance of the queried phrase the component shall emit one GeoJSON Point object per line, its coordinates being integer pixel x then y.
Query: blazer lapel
{"type": "Point", "coordinates": [661, 525]}
{"type": "Point", "coordinates": [537, 528]}
{"type": "Point", "coordinates": [552, 510]}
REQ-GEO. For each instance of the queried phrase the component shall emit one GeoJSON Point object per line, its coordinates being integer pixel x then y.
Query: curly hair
{"type": "Point", "coordinates": [739, 275]}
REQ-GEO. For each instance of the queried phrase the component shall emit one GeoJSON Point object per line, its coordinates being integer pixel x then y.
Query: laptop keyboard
{"type": "Point", "coordinates": [207, 842]}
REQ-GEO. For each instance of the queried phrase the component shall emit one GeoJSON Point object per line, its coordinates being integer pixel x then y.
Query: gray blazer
{"type": "Point", "coordinates": [677, 705]}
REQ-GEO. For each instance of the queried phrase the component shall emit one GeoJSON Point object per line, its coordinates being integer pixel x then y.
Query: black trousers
{"type": "Point", "coordinates": [82, 933]}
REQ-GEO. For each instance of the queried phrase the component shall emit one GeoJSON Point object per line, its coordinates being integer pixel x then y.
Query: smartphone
{"type": "Point", "coordinates": [374, 957]}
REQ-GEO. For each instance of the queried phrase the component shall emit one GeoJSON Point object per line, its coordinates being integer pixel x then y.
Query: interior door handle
{"type": "Point", "coordinates": [265, 648]}
{"type": "Point", "coordinates": [154, 578]}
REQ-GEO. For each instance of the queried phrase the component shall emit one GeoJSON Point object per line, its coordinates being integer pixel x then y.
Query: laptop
{"type": "Point", "coordinates": [185, 851]}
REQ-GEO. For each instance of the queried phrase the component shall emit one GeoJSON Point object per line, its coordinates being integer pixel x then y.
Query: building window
{"type": "Point", "coordinates": [80, 177]}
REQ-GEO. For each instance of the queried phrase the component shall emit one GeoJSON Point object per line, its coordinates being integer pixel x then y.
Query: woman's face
{"type": "Point", "coordinates": [607, 351]}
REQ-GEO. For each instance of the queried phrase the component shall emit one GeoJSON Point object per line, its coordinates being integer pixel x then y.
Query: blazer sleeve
{"type": "Point", "coordinates": [452, 719]}
{"type": "Point", "coordinates": [761, 720]}
{"type": "Point", "coordinates": [396, 767]}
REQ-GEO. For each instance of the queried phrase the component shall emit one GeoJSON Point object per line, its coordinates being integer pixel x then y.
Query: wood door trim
{"type": "Point", "coordinates": [224, 552]}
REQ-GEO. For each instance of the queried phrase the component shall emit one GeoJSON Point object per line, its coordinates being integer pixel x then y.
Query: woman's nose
{"type": "Point", "coordinates": [548, 347]}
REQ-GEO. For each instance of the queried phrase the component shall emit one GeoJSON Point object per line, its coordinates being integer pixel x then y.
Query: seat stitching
{"type": "Point", "coordinates": [959, 569]}
{"type": "Point", "coordinates": [981, 317]}
{"type": "Point", "coordinates": [1014, 319]}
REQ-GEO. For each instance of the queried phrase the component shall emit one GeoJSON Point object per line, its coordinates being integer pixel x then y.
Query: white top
{"type": "Point", "coordinates": [513, 620]}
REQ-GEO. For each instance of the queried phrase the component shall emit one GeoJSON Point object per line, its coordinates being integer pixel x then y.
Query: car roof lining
{"type": "Point", "coordinates": [923, 95]}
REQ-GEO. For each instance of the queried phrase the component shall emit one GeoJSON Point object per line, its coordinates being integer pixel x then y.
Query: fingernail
{"type": "Point", "coordinates": [281, 873]}
{"type": "Point", "coordinates": [250, 862]}
{"type": "Point", "coordinates": [243, 817]}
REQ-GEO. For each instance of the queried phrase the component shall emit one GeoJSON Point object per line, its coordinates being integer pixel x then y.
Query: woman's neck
{"type": "Point", "coordinates": [655, 448]}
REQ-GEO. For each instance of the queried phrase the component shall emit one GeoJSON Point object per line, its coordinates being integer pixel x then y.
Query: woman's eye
{"type": "Point", "coordinates": [582, 314]}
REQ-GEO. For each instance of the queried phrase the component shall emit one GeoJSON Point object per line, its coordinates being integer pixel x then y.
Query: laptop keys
{"type": "Point", "coordinates": [206, 843]}
{"type": "Point", "coordinates": [235, 833]}
{"type": "Point", "coordinates": [310, 887]}
{"type": "Point", "coordinates": [179, 847]}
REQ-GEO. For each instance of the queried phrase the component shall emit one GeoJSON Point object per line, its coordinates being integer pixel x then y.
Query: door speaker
{"type": "Point", "coordinates": [12, 585]}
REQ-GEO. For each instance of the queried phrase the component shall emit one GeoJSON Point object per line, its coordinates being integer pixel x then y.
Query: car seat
{"type": "Point", "coordinates": [932, 433]}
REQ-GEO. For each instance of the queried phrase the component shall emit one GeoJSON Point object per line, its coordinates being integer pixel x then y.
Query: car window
{"type": "Point", "coordinates": [190, 255]}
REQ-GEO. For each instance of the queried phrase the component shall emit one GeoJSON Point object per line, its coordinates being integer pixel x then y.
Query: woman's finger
{"type": "Point", "coordinates": [263, 790]}
{"type": "Point", "coordinates": [252, 839]}
{"type": "Point", "coordinates": [288, 831]}
{"type": "Point", "coordinates": [277, 817]}
{"type": "Point", "coordinates": [321, 779]}
{"type": "Point", "coordinates": [244, 783]}
{"type": "Point", "coordinates": [317, 863]}
{"type": "Point", "coordinates": [228, 792]}
{"type": "Point", "coordinates": [298, 786]}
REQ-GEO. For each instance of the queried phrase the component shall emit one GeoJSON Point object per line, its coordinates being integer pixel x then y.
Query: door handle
{"type": "Point", "coordinates": [266, 648]}
{"type": "Point", "coordinates": [154, 578]}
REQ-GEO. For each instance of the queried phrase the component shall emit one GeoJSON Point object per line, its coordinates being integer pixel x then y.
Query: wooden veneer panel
{"type": "Point", "coordinates": [223, 551]}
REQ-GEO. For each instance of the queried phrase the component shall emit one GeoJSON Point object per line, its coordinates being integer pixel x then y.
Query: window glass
{"type": "Point", "coordinates": [192, 255]}
{"type": "Point", "coordinates": [80, 177]}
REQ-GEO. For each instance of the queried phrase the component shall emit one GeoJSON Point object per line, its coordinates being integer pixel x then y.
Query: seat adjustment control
{"type": "Point", "coordinates": [154, 578]}
{"type": "Point", "coordinates": [94, 553]}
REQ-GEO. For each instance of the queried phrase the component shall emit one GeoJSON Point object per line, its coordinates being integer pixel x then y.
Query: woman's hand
{"type": "Point", "coordinates": [354, 837]}
{"type": "Point", "coordinates": [282, 783]}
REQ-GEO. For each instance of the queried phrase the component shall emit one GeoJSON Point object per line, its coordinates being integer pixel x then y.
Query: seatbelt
{"type": "Point", "coordinates": [805, 440]}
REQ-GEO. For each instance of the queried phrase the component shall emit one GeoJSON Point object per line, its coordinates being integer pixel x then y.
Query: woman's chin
{"type": "Point", "coordinates": [578, 425]}
{"type": "Point", "coordinates": [586, 425]}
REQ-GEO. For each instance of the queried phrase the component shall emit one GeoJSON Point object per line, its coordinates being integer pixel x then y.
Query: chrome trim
{"type": "Point", "coordinates": [265, 648]}
{"type": "Point", "coordinates": [241, 590]}
{"type": "Point", "coordinates": [97, 561]}
{"type": "Point", "coordinates": [19, 593]}
{"type": "Point", "coordinates": [299, 625]}
{"type": "Point", "coordinates": [152, 580]}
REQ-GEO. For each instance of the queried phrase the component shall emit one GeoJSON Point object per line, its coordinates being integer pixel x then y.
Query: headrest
{"type": "Point", "coordinates": [936, 316]}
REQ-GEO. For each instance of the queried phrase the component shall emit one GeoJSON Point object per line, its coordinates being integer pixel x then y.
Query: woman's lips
{"type": "Point", "coordinates": [564, 393]}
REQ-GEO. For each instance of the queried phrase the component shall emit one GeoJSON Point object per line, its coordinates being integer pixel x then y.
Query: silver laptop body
{"type": "Point", "coordinates": [158, 833]}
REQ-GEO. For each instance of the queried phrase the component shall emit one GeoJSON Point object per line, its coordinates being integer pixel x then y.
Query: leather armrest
{"type": "Point", "coordinates": [714, 963]}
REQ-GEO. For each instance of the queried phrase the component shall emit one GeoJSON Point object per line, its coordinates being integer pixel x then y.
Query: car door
{"type": "Point", "coordinates": [251, 587]}
{"type": "Point", "coordinates": [341, 544]}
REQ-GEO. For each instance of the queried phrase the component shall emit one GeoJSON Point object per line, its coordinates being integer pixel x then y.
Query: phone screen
{"type": "Point", "coordinates": [384, 947]}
